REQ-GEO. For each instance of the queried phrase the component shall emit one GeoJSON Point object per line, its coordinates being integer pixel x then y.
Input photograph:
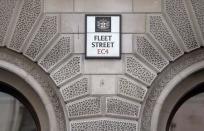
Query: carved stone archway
{"type": "Point", "coordinates": [25, 30]}
{"type": "Point", "coordinates": [38, 88]}
{"type": "Point", "coordinates": [169, 36]}
{"type": "Point", "coordinates": [165, 83]}
{"type": "Point", "coordinates": [184, 22]}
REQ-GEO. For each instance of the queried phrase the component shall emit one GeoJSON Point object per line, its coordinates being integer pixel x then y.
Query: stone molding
{"type": "Point", "coordinates": [162, 81]}
{"type": "Point", "coordinates": [182, 33]}
{"type": "Point", "coordinates": [39, 81]}
{"type": "Point", "coordinates": [37, 35]}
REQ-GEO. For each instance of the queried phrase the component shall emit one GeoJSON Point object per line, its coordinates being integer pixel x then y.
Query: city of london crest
{"type": "Point", "coordinates": [103, 24]}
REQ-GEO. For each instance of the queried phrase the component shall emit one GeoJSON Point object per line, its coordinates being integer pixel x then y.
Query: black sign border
{"type": "Point", "coordinates": [120, 45]}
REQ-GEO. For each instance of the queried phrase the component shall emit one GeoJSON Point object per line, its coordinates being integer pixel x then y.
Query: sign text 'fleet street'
{"type": "Point", "coordinates": [103, 36]}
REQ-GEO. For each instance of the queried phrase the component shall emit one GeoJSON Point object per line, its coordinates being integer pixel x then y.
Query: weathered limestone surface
{"type": "Point", "coordinates": [102, 94]}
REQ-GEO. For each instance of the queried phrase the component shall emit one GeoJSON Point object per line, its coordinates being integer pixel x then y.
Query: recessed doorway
{"type": "Point", "coordinates": [16, 112]}
{"type": "Point", "coordinates": [188, 113]}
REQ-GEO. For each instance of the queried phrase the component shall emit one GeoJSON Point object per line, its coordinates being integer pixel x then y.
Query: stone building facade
{"type": "Point", "coordinates": [42, 47]}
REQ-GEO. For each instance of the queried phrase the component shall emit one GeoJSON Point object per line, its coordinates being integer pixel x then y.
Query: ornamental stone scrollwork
{"type": "Point", "coordinates": [29, 14]}
{"type": "Point", "coordinates": [158, 29]}
{"type": "Point", "coordinates": [6, 11]}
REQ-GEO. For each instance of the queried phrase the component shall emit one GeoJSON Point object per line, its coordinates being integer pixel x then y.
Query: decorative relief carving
{"type": "Point", "coordinates": [75, 89]}
{"type": "Point", "coordinates": [58, 52]}
{"type": "Point", "coordinates": [162, 34]}
{"type": "Point", "coordinates": [67, 71]}
{"type": "Point", "coordinates": [84, 107]}
{"type": "Point", "coordinates": [46, 32]}
{"type": "Point", "coordinates": [177, 13]}
{"type": "Point", "coordinates": [29, 13]}
{"type": "Point", "coordinates": [131, 89]}
{"type": "Point", "coordinates": [149, 53]}
{"type": "Point", "coordinates": [104, 125]}
{"type": "Point", "coordinates": [6, 10]}
{"type": "Point", "coordinates": [136, 69]}
{"type": "Point", "coordinates": [163, 79]}
{"type": "Point", "coordinates": [198, 6]}
{"type": "Point", "coordinates": [118, 106]}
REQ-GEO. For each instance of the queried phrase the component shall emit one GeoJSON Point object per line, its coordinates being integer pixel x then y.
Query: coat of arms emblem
{"type": "Point", "coordinates": [103, 24]}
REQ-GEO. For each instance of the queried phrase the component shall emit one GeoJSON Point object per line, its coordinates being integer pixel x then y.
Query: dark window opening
{"type": "Point", "coordinates": [16, 113]}
{"type": "Point", "coordinates": [188, 114]}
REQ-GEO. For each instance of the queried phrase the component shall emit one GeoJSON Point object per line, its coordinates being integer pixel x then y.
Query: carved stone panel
{"type": "Point", "coordinates": [76, 89]}
{"type": "Point", "coordinates": [29, 14]}
{"type": "Point", "coordinates": [162, 34]}
{"type": "Point", "coordinates": [67, 71]}
{"type": "Point", "coordinates": [6, 10]}
{"type": "Point", "coordinates": [198, 7]}
{"type": "Point", "coordinates": [131, 89]}
{"type": "Point", "coordinates": [60, 50]}
{"type": "Point", "coordinates": [85, 107]}
{"type": "Point", "coordinates": [177, 12]}
{"type": "Point", "coordinates": [146, 50]}
{"type": "Point", "coordinates": [162, 81]}
{"type": "Point", "coordinates": [137, 70]}
{"type": "Point", "coordinates": [121, 107]}
{"type": "Point", "coordinates": [104, 125]}
{"type": "Point", "coordinates": [46, 32]}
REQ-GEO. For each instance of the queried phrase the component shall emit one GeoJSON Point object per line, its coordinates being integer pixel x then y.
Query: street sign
{"type": "Point", "coordinates": [103, 36]}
